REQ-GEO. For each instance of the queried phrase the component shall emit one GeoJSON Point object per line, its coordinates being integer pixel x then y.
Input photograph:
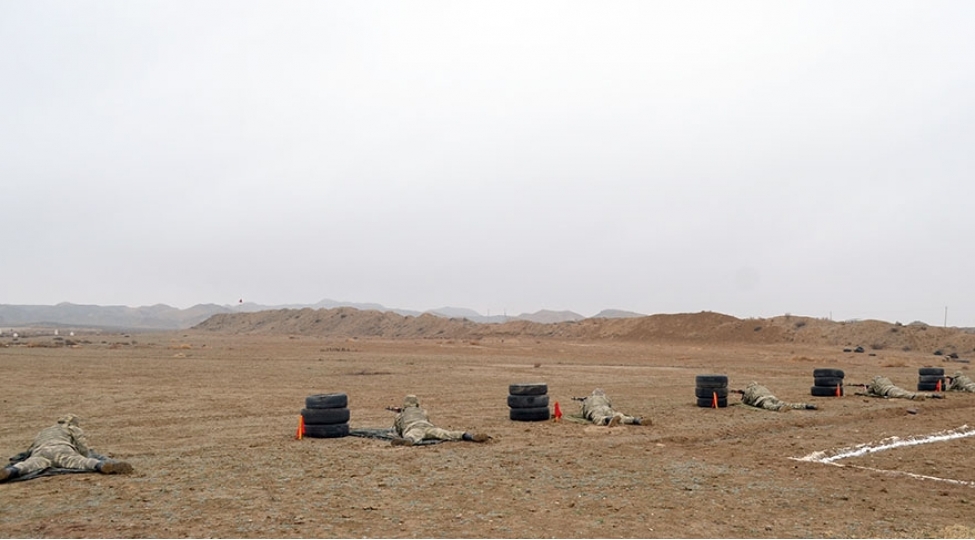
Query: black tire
{"type": "Point", "coordinates": [828, 381]}
{"type": "Point", "coordinates": [327, 401]}
{"type": "Point", "coordinates": [709, 392]}
{"type": "Point", "coordinates": [527, 402]}
{"type": "Point", "coordinates": [828, 372]}
{"type": "Point", "coordinates": [825, 391]}
{"type": "Point", "coordinates": [326, 431]}
{"type": "Point", "coordinates": [940, 371]}
{"type": "Point", "coordinates": [325, 416]}
{"type": "Point", "coordinates": [711, 381]}
{"type": "Point", "coordinates": [707, 402]}
{"type": "Point", "coordinates": [528, 389]}
{"type": "Point", "coordinates": [932, 379]}
{"type": "Point", "coordinates": [929, 387]}
{"type": "Point", "coordinates": [533, 414]}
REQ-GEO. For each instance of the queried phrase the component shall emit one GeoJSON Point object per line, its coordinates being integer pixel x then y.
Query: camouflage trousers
{"type": "Point", "coordinates": [882, 387]}
{"type": "Point", "coordinates": [58, 456]}
{"type": "Point", "coordinates": [601, 415]}
{"type": "Point", "coordinates": [773, 403]}
{"type": "Point", "coordinates": [417, 433]}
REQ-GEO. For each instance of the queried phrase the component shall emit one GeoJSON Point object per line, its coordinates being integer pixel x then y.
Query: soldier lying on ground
{"type": "Point", "coordinates": [882, 387]}
{"type": "Point", "coordinates": [757, 395]}
{"type": "Point", "coordinates": [960, 383]}
{"type": "Point", "coordinates": [63, 446]}
{"type": "Point", "coordinates": [412, 425]}
{"type": "Point", "coordinates": [598, 409]}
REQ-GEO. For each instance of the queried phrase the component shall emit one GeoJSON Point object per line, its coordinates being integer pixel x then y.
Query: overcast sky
{"type": "Point", "coordinates": [749, 158]}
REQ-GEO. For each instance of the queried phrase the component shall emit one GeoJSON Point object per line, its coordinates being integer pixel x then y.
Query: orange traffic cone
{"type": "Point", "coordinates": [714, 400]}
{"type": "Point", "coordinates": [558, 412]}
{"type": "Point", "coordinates": [301, 428]}
{"type": "Point", "coordinates": [938, 388]}
{"type": "Point", "coordinates": [839, 390]}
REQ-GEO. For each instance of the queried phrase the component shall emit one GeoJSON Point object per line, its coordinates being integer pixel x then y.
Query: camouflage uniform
{"type": "Point", "coordinates": [882, 387]}
{"type": "Point", "coordinates": [598, 409]}
{"type": "Point", "coordinates": [961, 383]}
{"type": "Point", "coordinates": [413, 424]}
{"type": "Point", "coordinates": [63, 446]}
{"type": "Point", "coordinates": [757, 395]}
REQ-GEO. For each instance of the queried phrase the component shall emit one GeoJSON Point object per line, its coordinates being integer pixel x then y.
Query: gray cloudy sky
{"type": "Point", "coordinates": [749, 158]}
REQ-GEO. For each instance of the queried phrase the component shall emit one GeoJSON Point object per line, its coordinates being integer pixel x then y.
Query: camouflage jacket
{"type": "Point", "coordinates": [411, 417]}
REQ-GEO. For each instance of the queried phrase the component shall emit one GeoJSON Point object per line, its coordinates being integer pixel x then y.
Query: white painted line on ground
{"type": "Point", "coordinates": [830, 457]}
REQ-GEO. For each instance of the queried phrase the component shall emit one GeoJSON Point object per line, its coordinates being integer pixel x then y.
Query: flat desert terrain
{"type": "Point", "coordinates": [208, 417]}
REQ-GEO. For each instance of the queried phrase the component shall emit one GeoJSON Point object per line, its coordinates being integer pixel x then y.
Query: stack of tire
{"type": "Point", "coordinates": [710, 387]}
{"type": "Point", "coordinates": [326, 416]}
{"type": "Point", "coordinates": [827, 382]}
{"type": "Point", "coordinates": [528, 402]}
{"type": "Point", "coordinates": [930, 378]}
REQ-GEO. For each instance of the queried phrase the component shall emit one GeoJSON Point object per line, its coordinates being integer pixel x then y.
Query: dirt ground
{"type": "Point", "coordinates": [208, 420]}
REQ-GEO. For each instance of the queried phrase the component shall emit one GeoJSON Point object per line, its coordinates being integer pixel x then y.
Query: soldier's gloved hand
{"type": "Point", "coordinates": [811, 407]}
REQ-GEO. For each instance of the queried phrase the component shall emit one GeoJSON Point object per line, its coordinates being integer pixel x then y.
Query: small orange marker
{"type": "Point", "coordinates": [558, 412]}
{"type": "Point", "coordinates": [839, 390]}
{"type": "Point", "coordinates": [938, 389]}
{"type": "Point", "coordinates": [301, 428]}
{"type": "Point", "coordinates": [714, 400]}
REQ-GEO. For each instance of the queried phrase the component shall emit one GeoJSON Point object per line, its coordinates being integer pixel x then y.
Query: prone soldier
{"type": "Point", "coordinates": [412, 425]}
{"type": "Point", "coordinates": [65, 446]}
{"type": "Point", "coordinates": [882, 387]}
{"type": "Point", "coordinates": [960, 383]}
{"type": "Point", "coordinates": [759, 396]}
{"type": "Point", "coordinates": [598, 409]}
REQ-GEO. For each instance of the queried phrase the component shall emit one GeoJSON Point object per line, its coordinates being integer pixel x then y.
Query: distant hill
{"type": "Point", "coordinates": [616, 314]}
{"type": "Point", "coordinates": [163, 317]}
{"type": "Point", "coordinates": [704, 327]}
{"type": "Point", "coordinates": [546, 316]}
{"type": "Point", "coordinates": [157, 317]}
{"type": "Point", "coordinates": [469, 314]}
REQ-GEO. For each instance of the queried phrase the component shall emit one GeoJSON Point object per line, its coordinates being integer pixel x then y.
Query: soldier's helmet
{"type": "Point", "coordinates": [598, 392]}
{"type": "Point", "coordinates": [411, 401]}
{"type": "Point", "coordinates": [69, 420]}
{"type": "Point", "coordinates": [956, 375]}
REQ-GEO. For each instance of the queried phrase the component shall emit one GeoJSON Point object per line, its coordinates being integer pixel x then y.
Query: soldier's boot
{"type": "Point", "coordinates": [8, 473]}
{"type": "Point", "coordinates": [615, 421]}
{"type": "Point", "coordinates": [111, 466]}
{"type": "Point", "coordinates": [476, 437]}
{"type": "Point", "coordinates": [810, 407]}
{"type": "Point", "coordinates": [640, 421]}
{"type": "Point", "coordinates": [400, 441]}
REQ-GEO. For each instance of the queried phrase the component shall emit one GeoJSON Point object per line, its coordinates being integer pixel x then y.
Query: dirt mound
{"type": "Point", "coordinates": [704, 327]}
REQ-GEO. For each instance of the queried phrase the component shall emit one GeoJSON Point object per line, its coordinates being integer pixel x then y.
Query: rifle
{"type": "Point", "coordinates": [395, 409]}
{"type": "Point", "coordinates": [578, 399]}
